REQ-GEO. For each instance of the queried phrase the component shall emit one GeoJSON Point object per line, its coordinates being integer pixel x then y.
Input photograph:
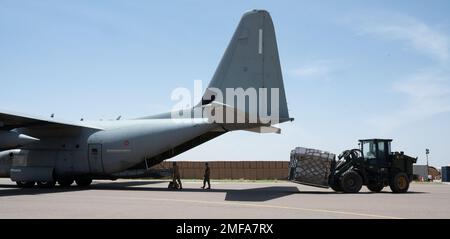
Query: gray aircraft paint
{"type": "Point", "coordinates": [38, 149]}
{"type": "Point", "coordinates": [252, 61]}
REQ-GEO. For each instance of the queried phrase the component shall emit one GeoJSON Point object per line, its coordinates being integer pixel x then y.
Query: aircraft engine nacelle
{"type": "Point", "coordinates": [13, 140]}
{"type": "Point", "coordinates": [6, 158]}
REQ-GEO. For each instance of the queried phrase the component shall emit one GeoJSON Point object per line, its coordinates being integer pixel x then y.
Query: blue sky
{"type": "Point", "coordinates": [352, 69]}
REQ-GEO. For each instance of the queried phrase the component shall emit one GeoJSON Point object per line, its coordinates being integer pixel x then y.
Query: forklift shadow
{"type": "Point", "coordinates": [360, 193]}
{"type": "Point", "coordinates": [389, 192]}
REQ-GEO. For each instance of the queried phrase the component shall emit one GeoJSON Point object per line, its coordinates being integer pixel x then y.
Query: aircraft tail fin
{"type": "Point", "coordinates": [251, 63]}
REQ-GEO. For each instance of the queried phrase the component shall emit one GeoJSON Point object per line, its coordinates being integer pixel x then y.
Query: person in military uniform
{"type": "Point", "coordinates": [176, 175]}
{"type": "Point", "coordinates": [206, 176]}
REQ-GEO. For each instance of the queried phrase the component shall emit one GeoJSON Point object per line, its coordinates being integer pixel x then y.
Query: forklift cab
{"type": "Point", "coordinates": [376, 151]}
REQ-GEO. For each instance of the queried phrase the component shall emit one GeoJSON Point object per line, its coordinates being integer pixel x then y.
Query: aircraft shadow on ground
{"type": "Point", "coordinates": [15, 191]}
{"type": "Point", "coordinates": [244, 195]}
{"type": "Point", "coordinates": [260, 194]}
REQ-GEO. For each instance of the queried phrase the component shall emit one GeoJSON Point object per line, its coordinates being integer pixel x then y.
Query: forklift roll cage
{"type": "Point", "coordinates": [376, 149]}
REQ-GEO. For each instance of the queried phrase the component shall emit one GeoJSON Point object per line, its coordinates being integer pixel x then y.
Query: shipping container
{"type": "Point", "coordinates": [445, 171]}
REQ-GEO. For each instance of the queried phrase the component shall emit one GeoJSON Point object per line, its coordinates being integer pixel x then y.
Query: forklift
{"type": "Point", "coordinates": [373, 165]}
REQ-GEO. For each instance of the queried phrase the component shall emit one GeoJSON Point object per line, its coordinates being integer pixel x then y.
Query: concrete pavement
{"type": "Point", "coordinates": [152, 199]}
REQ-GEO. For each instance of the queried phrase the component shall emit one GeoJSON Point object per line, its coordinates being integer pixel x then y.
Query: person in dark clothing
{"type": "Point", "coordinates": [176, 175]}
{"type": "Point", "coordinates": [206, 176]}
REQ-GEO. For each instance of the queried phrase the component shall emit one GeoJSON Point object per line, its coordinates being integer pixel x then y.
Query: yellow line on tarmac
{"type": "Point", "coordinates": [272, 206]}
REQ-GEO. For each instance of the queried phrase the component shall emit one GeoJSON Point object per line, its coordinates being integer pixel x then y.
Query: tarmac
{"type": "Point", "coordinates": [260, 200]}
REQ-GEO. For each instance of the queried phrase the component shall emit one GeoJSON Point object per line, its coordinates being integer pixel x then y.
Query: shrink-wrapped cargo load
{"type": "Point", "coordinates": [311, 166]}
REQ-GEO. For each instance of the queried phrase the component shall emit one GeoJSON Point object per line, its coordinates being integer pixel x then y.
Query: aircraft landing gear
{"type": "Point", "coordinates": [65, 182]}
{"type": "Point", "coordinates": [46, 184]}
{"type": "Point", "coordinates": [83, 182]}
{"type": "Point", "coordinates": [25, 184]}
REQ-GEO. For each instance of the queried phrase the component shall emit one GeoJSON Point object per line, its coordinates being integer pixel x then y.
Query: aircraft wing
{"type": "Point", "coordinates": [10, 121]}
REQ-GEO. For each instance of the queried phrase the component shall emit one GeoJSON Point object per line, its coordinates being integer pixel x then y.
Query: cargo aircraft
{"type": "Point", "coordinates": [44, 151]}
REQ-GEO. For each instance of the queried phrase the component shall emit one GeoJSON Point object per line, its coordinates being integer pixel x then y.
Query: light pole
{"type": "Point", "coordinates": [427, 151]}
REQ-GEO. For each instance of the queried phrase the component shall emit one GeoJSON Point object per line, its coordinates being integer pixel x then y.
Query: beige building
{"type": "Point", "coordinates": [251, 170]}
{"type": "Point", "coordinates": [421, 172]}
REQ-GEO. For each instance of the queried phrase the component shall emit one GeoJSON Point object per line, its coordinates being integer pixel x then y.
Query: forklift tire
{"type": "Point", "coordinates": [399, 183]}
{"type": "Point", "coordinates": [351, 182]}
{"type": "Point", "coordinates": [337, 187]}
{"type": "Point", "coordinates": [375, 187]}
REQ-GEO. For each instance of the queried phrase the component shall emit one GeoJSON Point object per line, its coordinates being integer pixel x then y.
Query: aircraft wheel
{"type": "Point", "coordinates": [25, 184]}
{"type": "Point", "coordinates": [65, 182]}
{"type": "Point", "coordinates": [351, 182]}
{"type": "Point", "coordinates": [46, 184]}
{"type": "Point", "coordinates": [399, 183]}
{"type": "Point", "coordinates": [83, 182]}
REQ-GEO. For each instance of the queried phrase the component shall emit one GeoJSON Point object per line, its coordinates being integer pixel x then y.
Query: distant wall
{"type": "Point", "coordinates": [251, 170]}
{"type": "Point", "coordinates": [421, 172]}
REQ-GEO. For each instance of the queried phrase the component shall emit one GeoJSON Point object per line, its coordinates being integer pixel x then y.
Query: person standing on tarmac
{"type": "Point", "coordinates": [176, 175]}
{"type": "Point", "coordinates": [206, 177]}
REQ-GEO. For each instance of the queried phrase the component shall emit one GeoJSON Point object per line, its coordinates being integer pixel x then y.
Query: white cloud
{"type": "Point", "coordinates": [415, 33]}
{"type": "Point", "coordinates": [426, 91]}
{"type": "Point", "coordinates": [426, 85]}
{"type": "Point", "coordinates": [315, 70]}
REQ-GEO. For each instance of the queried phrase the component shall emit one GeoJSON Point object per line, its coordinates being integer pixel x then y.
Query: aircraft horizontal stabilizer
{"type": "Point", "coordinates": [242, 120]}
{"type": "Point", "coordinates": [265, 129]}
